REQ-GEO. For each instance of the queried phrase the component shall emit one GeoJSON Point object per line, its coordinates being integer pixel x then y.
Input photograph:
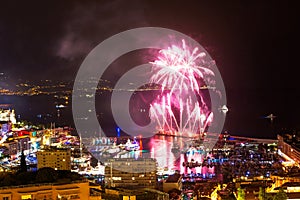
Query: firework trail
{"type": "Point", "coordinates": [180, 108]}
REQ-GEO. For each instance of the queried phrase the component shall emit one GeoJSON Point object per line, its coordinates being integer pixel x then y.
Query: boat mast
{"type": "Point", "coordinates": [80, 147]}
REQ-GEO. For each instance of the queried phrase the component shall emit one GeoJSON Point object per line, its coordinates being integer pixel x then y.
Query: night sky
{"type": "Point", "coordinates": [251, 42]}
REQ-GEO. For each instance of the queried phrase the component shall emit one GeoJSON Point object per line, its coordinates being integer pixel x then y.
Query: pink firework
{"type": "Point", "coordinates": [180, 108]}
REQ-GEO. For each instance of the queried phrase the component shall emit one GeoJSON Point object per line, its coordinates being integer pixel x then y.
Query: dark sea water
{"type": "Point", "coordinates": [42, 109]}
{"type": "Point", "coordinates": [38, 109]}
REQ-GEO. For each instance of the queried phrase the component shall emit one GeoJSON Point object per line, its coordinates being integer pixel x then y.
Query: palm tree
{"type": "Point", "coordinates": [281, 195]}
{"type": "Point", "coordinates": [241, 194]}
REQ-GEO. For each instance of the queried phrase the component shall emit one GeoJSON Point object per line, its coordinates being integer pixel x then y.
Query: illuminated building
{"type": "Point", "coordinates": [7, 115]}
{"type": "Point", "coordinates": [16, 146]}
{"type": "Point", "coordinates": [13, 148]}
{"type": "Point", "coordinates": [76, 191]}
{"type": "Point", "coordinates": [58, 159]}
{"type": "Point", "coordinates": [290, 150]}
{"type": "Point", "coordinates": [24, 144]}
{"type": "Point", "coordinates": [129, 173]}
{"type": "Point", "coordinates": [5, 128]}
{"type": "Point", "coordinates": [134, 194]}
{"type": "Point", "coordinates": [172, 182]}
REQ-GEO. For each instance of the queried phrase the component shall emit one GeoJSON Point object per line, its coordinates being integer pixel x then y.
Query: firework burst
{"type": "Point", "coordinates": [180, 108]}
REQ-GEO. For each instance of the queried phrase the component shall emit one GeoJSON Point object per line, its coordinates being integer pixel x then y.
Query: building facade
{"type": "Point", "coordinates": [288, 149]}
{"type": "Point", "coordinates": [58, 159]}
{"type": "Point", "coordinates": [129, 173]}
{"type": "Point", "coordinates": [76, 191]}
{"type": "Point", "coordinates": [16, 145]}
{"type": "Point", "coordinates": [172, 182]}
{"type": "Point", "coordinates": [8, 115]}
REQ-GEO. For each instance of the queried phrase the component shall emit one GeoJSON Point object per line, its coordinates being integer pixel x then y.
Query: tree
{"type": "Point", "coordinates": [281, 195]}
{"type": "Point", "coordinates": [174, 194]}
{"type": "Point", "coordinates": [23, 178]}
{"type": "Point", "coordinates": [261, 193]}
{"type": "Point", "coordinates": [23, 167]}
{"type": "Point", "coordinates": [241, 194]}
{"type": "Point", "coordinates": [8, 180]}
{"type": "Point", "coordinates": [46, 175]}
{"type": "Point", "coordinates": [231, 197]}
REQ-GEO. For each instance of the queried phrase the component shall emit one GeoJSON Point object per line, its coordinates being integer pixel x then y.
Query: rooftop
{"type": "Point", "coordinates": [173, 178]}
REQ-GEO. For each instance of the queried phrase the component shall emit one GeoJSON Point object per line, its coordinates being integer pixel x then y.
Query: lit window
{"type": "Point", "coordinates": [28, 196]}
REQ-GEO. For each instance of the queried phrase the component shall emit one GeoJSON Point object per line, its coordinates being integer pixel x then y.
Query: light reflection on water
{"type": "Point", "coordinates": [160, 148]}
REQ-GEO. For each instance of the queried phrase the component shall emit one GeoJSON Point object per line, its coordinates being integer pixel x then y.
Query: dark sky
{"type": "Point", "coordinates": [251, 42]}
